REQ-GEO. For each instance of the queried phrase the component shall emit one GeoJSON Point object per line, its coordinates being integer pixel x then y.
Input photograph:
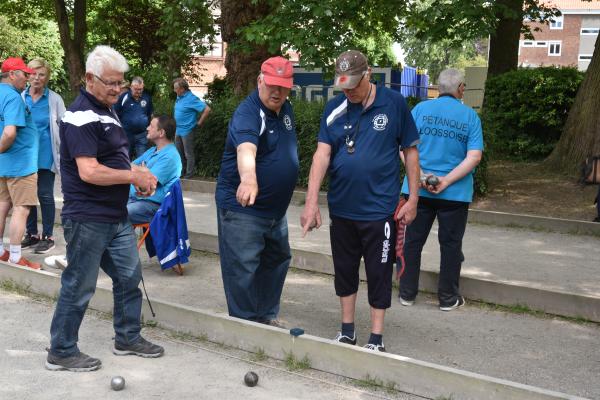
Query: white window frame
{"type": "Point", "coordinates": [557, 22]}
{"type": "Point", "coordinates": [597, 30]}
{"type": "Point", "coordinates": [585, 59]}
{"type": "Point", "coordinates": [555, 43]}
{"type": "Point", "coordinates": [541, 43]}
{"type": "Point", "coordinates": [527, 43]}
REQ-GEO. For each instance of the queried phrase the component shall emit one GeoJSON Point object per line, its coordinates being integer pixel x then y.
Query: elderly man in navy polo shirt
{"type": "Point", "coordinates": [96, 174]}
{"type": "Point", "coordinates": [134, 109]}
{"type": "Point", "coordinates": [361, 132]}
{"type": "Point", "coordinates": [261, 149]}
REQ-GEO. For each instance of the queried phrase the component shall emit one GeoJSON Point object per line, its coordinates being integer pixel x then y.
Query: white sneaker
{"type": "Point", "coordinates": [406, 303]}
{"type": "Point", "coordinates": [375, 347]}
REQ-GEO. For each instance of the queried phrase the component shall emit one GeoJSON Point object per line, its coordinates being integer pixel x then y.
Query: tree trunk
{"type": "Point", "coordinates": [72, 46]}
{"type": "Point", "coordinates": [242, 66]}
{"type": "Point", "coordinates": [581, 134]}
{"type": "Point", "coordinates": [504, 42]}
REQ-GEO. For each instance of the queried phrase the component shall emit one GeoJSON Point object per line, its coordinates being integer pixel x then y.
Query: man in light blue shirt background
{"type": "Point", "coordinates": [451, 147]}
{"type": "Point", "coordinates": [164, 162]}
{"type": "Point", "coordinates": [190, 114]}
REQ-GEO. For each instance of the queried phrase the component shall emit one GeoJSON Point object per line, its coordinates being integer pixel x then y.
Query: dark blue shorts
{"type": "Point", "coordinates": [373, 241]}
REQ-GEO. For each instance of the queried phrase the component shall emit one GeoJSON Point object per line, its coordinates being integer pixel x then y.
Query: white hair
{"type": "Point", "coordinates": [102, 57]}
{"type": "Point", "coordinates": [449, 80]}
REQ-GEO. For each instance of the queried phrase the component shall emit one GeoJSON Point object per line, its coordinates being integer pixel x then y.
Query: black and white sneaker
{"type": "Point", "coordinates": [375, 347]}
{"type": "Point", "coordinates": [78, 363]}
{"type": "Point", "coordinates": [29, 241]}
{"type": "Point", "coordinates": [142, 348]}
{"type": "Point", "coordinates": [459, 303]}
{"type": "Point", "coordinates": [44, 245]}
{"type": "Point", "coordinates": [406, 303]}
{"type": "Point", "coordinates": [345, 339]}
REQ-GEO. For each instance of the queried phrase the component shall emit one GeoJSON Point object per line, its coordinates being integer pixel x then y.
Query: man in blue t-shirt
{"type": "Point", "coordinates": [18, 158]}
{"type": "Point", "coordinates": [361, 133]}
{"type": "Point", "coordinates": [255, 185]}
{"type": "Point", "coordinates": [164, 162]}
{"type": "Point", "coordinates": [134, 109]}
{"type": "Point", "coordinates": [95, 177]}
{"type": "Point", "coordinates": [190, 113]}
{"type": "Point", "coordinates": [450, 149]}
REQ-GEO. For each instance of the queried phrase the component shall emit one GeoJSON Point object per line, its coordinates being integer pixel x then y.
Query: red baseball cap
{"type": "Point", "coordinates": [278, 71]}
{"type": "Point", "coordinates": [15, 64]}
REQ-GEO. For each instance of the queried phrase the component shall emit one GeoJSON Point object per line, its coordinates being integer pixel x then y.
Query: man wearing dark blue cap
{"type": "Point", "coordinates": [361, 133]}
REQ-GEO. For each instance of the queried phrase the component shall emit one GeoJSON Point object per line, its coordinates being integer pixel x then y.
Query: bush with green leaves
{"type": "Point", "coordinates": [525, 110]}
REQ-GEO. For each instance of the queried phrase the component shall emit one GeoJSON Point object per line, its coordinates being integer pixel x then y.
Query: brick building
{"type": "Point", "coordinates": [567, 41]}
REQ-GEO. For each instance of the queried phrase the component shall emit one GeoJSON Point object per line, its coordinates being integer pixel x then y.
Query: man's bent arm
{"type": "Point", "coordinates": [465, 167]}
{"type": "Point", "coordinates": [9, 134]}
{"type": "Point", "coordinates": [246, 162]}
{"type": "Point", "coordinates": [91, 171]}
{"type": "Point", "coordinates": [204, 115]}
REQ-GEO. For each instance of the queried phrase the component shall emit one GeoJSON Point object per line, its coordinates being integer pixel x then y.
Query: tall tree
{"type": "Point", "coordinates": [243, 57]}
{"type": "Point", "coordinates": [581, 134]}
{"type": "Point", "coordinates": [72, 43]}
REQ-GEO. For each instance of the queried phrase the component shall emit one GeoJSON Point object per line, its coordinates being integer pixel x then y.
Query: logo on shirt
{"type": "Point", "coordinates": [143, 103]}
{"type": "Point", "coordinates": [380, 122]}
{"type": "Point", "coordinates": [287, 121]}
{"type": "Point", "coordinates": [385, 248]}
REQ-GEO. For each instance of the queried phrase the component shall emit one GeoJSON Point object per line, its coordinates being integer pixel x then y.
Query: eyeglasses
{"type": "Point", "coordinates": [115, 85]}
{"type": "Point", "coordinates": [464, 85]}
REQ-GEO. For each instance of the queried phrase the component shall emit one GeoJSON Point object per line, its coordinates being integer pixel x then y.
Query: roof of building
{"type": "Point", "coordinates": [575, 4]}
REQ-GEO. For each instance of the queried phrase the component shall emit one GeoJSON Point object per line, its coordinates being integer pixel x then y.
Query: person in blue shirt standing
{"type": "Point", "coordinates": [450, 149]}
{"type": "Point", "coordinates": [190, 114]}
{"type": "Point", "coordinates": [134, 109]}
{"type": "Point", "coordinates": [47, 109]}
{"type": "Point", "coordinates": [18, 158]}
{"type": "Point", "coordinates": [361, 133]}
{"type": "Point", "coordinates": [164, 162]}
{"type": "Point", "coordinates": [258, 175]}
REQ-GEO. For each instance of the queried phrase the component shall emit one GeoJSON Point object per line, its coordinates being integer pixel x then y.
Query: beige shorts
{"type": "Point", "coordinates": [20, 191]}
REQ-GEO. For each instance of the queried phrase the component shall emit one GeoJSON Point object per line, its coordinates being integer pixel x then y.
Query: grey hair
{"type": "Point", "coordinates": [40, 63]}
{"type": "Point", "coordinates": [138, 80]}
{"type": "Point", "coordinates": [181, 83]}
{"type": "Point", "coordinates": [102, 57]}
{"type": "Point", "coordinates": [449, 80]}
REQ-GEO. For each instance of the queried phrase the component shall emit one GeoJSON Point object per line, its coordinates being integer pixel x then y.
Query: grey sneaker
{"type": "Point", "coordinates": [345, 339]}
{"type": "Point", "coordinates": [29, 241]}
{"type": "Point", "coordinates": [375, 347]}
{"type": "Point", "coordinates": [459, 303]}
{"type": "Point", "coordinates": [142, 348]}
{"type": "Point", "coordinates": [78, 363]}
{"type": "Point", "coordinates": [44, 245]}
{"type": "Point", "coordinates": [406, 303]}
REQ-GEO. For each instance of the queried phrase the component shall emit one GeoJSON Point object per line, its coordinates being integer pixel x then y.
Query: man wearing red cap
{"type": "Point", "coordinates": [360, 135]}
{"type": "Point", "coordinates": [261, 149]}
{"type": "Point", "coordinates": [18, 158]}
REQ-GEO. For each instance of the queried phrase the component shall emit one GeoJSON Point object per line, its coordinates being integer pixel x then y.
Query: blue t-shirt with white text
{"type": "Point", "coordinates": [448, 129]}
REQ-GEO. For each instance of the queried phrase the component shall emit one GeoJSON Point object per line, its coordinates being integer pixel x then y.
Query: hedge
{"type": "Point", "coordinates": [210, 141]}
{"type": "Point", "coordinates": [525, 110]}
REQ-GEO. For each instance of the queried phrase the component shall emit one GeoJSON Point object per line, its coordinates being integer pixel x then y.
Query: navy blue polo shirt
{"type": "Point", "coordinates": [91, 129]}
{"type": "Point", "coordinates": [135, 115]}
{"type": "Point", "coordinates": [276, 158]}
{"type": "Point", "coordinates": [365, 185]}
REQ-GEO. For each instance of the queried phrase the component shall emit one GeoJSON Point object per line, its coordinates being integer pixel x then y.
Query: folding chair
{"type": "Point", "coordinates": [142, 238]}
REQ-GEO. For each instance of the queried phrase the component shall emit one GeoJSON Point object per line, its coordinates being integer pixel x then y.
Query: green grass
{"type": "Point", "coordinates": [368, 382]}
{"type": "Point", "coordinates": [292, 363]}
{"type": "Point", "coordinates": [259, 355]}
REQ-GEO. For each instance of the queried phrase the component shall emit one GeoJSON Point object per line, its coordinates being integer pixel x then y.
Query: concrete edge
{"type": "Point", "coordinates": [409, 375]}
{"type": "Point", "coordinates": [502, 293]}
{"type": "Point", "coordinates": [475, 216]}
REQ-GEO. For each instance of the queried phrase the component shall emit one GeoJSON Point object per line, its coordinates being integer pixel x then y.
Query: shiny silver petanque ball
{"type": "Point", "coordinates": [432, 180]}
{"type": "Point", "coordinates": [117, 383]}
{"type": "Point", "coordinates": [251, 379]}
